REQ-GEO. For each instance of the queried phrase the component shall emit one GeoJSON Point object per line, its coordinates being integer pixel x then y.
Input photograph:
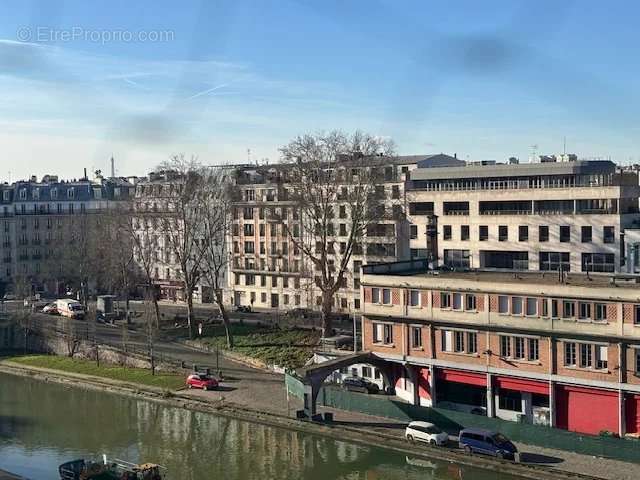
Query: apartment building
{"type": "Point", "coordinates": [35, 218]}
{"type": "Point", "coordinates": [267, 270]}
{"type": "Point", "coordinates": [524, 346]}
{"type": "Point", "coordinates": [536, 216]}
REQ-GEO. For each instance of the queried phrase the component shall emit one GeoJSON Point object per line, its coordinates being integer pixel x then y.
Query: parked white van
{"type": "Point", "coordinates": [70, 308]}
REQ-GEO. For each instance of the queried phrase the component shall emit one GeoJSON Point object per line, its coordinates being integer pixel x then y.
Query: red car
{"type": "Point", "coordinates": [201, 380]}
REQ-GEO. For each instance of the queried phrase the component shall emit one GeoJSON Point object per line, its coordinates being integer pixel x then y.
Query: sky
{"type": "Point", "coordinates": [231, 82]}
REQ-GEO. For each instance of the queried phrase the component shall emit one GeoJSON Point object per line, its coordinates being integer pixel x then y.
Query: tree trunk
{"type": "Point", "coordinates": [225, 319]}
{"type": "Point", "coordinates": [190, 321]}
{"type": "Point", "coordinates": [327, 318]}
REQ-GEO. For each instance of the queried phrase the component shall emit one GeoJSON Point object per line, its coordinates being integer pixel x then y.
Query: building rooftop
{"type": "Point", "coordinates": [417, 271]}
{"type": "Point", "coordinates": [580, 167]}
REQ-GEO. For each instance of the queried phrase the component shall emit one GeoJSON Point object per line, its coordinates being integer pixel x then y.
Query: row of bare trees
{"type": "Point", "coordinates": [186, 224]}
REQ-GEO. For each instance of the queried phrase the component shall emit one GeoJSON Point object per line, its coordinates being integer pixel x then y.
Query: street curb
{"type": "Point", "coordinates": [345, 433]}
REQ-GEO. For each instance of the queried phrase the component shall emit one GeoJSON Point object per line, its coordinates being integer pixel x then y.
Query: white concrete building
{"type": "Point", "coordinates": [536, 216]}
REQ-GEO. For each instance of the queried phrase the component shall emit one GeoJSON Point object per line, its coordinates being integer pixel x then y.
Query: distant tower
{"type": "Point", "coordinates": [113, 167]}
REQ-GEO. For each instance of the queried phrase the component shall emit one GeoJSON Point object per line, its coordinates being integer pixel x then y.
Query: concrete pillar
{"type": "Point", "coordinates": [490, 403]}
{"type": "Point", "coordinates": [432, 385]}
{"type": "Point", "coordinates": [552, 403]}
{"type": "Point", "coordinates": [527, 406]}
{"type": "Point", "coordinates": [415, 379]}
{"type": "Point", "coordinates": [309, 400]}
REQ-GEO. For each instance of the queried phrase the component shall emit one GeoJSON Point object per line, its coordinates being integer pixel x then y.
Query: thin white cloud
{"type": "Point", "coordinates": [206, 92]}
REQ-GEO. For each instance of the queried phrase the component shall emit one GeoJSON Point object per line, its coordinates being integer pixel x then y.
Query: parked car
{"type": "Point", "coordinates": [425, 432]}
{"type": "Point", "coordinates": [50, 308]}
{"type": "Point", "coordinates": [9, 296]}
{"type": "Point", "coordinates": [242, 309]}
{"type": "Point", "coordinates": [357, 384]}
{"type": "Point", "coordinates": [476, 440]}
{"type": "Point", "coordinates": [68, 307]}
{"type": "Point", "coordinates": [201, 380]}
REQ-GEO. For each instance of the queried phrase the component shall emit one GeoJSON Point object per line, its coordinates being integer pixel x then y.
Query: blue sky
{"type": "Point", "coordinates": [486, 80]}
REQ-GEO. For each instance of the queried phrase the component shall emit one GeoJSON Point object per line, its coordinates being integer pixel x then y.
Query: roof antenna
{"type": "Point", "coordinates": [113, 167]}
{"type": "Point", "coordinates": [564, 145]}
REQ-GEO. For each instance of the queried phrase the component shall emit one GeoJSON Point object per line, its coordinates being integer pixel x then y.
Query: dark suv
{"type": "Point", "coordinates": [356, 384]}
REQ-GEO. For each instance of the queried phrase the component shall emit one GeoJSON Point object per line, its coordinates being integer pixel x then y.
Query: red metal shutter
{"type": "Point", "coordinates": [586, 410]}
{"type": "Point", "coordinates": [523, 385]}
{"type": "Point", "coordinates": [632, 413]}
{"type": "Point", "coordinates": [461, 376]}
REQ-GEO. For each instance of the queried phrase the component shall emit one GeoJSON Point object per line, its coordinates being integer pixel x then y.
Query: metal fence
{"type": "Point", "coordinates": [453, 421]}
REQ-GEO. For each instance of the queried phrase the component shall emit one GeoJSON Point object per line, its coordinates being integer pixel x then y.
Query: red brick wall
{"type": "Point", "coordinates": [461, 358]}
{"type": "Point", "coordinates": [368, 344]}
{"type": "Point", "coordinates": [367, 295]}
{"type": "Point", "coordinates": [424, 300]}
{"type": "Point", "coordinates": [612, 312]}
{"type": "Point", "coordinates": [542, 366]}
{"type": "Point", "coordinates": [396, 295]}
{"type": "Point", "coordinates": [612, 366]}
{"type": "Point", "coordinates": [627, 313]}
{"type": "Point", "coordinates": [541, 306]}
{"type": "Point", "coordinates": [480, 302]}
{"type": "Point", "coordinates": [435, 296]}
{"type": "Point", "coordinates": [493, 303]}
{"type": "Point", "coordinates": [630, 355]}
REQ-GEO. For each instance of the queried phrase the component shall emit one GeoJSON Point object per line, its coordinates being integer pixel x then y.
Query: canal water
{"type": "Point", "coordinates": [44, 424]}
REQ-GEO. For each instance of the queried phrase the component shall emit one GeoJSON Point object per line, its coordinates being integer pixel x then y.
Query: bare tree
{"type": "Point", "coordinates": [215, 207]}
{"type": "Point", "coordinates": [138, 226]}
{"type": "Point", "coordinates": [331, 174]}
{"type": "Point", "coordinates": [181, 224]}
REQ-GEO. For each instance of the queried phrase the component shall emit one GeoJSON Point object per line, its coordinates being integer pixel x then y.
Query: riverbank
{"type": "Point", "coordinates": [217, 404]}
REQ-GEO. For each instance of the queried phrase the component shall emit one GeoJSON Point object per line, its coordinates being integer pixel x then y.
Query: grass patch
{"type": "Point", "coordinates": [289, 348]}
{"type": "Point", "coordinates": [134, 375]}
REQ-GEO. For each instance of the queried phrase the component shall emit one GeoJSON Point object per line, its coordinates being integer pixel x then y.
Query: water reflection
{"type": "Point", "coordinates": [42, 425]}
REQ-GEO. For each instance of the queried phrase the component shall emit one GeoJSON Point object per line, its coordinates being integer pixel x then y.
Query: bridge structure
{"type": "Point", "coordinates": [313, 376]}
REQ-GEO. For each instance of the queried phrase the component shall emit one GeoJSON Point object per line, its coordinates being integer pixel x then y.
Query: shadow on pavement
{"type": "Point", "coordinates": [527, 457]}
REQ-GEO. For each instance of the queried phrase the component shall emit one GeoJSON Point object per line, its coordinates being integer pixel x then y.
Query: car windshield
{"type": "Point", "coordinates": [500, 439]}
{"type": "Point", "coordinates": [432, 429]}
{"type": "Point", "coordinates": [76, 307]}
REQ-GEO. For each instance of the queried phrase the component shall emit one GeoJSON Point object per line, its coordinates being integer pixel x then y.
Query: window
{"type": "Point", "coordinates": [248, 229]}
{"type": "Point", "coordinates": [586, 357]}
{"type": "Point", "coordinates": [445, 300]}
{"type": "Point", "coordinates": [570, 354]}
{"type": "Point", "coordinates": [249, 247]}
{"type": "Point", "coordinates": [552, 261]}
{"type": "Point", "coordinates": [503, 304]}
{"type": "Point", "coordinates": [356, 303]}
{"type": "Point", "coordinates": [375, 295]}
{"type": "Point", "coordinates": [516, 305]}
{"type": "Point", "coordinates": [565, 233]}
{"type": "Point", "coordinates": [416, 337]}
{"type": "Point", "coordinates": [457, 301]}
{"type": "Point", "coordinates": [510, 400]}
{"type": "Point", "coordinates": [598, 262]}
{"type": "Point", "coordinates": [568, 309]}
{"type": "Point", "coordinates": [518, 349]}
{"type": "Point", "coordinates": [484, 233]}
{"type": "Point", "coordinates": [503, 233]}
{"type": "Point", "coordinates": [383, 333]}
{"type": "Point", "coordinates": [464, 232]}
{"type": "Point", "coordinates": [472, 342]}
{"type": "Point", "coordinates": [608, 234]}
{"type": "Point", "coordinates": [414, 232]}
{"type": "Point", "coordinates": [458, 338]}
{"type": "Point", "coordinates": [470, 302]}
{"type": "Point", "coordinates": [366, 371]}
{"type": "Point", "coordinates": [523, 233]}
{"type": "Point", "coordinates": [534, 349]}
{"type": "Point", "coordinates": [600, 310]}
{"type": "Point", "coordinates": [386, 296]}
{"type": "Point", "coordinates": [457, 258]}
{"type": "Point", "coordinates": [543, 233]}
{"type": "Point", "coordinates": [505, 346]}
{"type": "Point", "coordinates": [531, 306]}
{"type": "Point", "coordinates": [636, 316]}
{"type": "Point", "coordinates": [414, 298]}
{"type": "Point", "coordinates": [637, 352]}
{"type": "Point", "coordinates": [447, 340]}
{"type": "Point", "coordinates": [446, 232]}
{"type": "Point", "coordinates": [586, 234]}
{"type": "Point", "coordinates": [584, 311]}
{"type": "Point", "coordinates": [601, 357]}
